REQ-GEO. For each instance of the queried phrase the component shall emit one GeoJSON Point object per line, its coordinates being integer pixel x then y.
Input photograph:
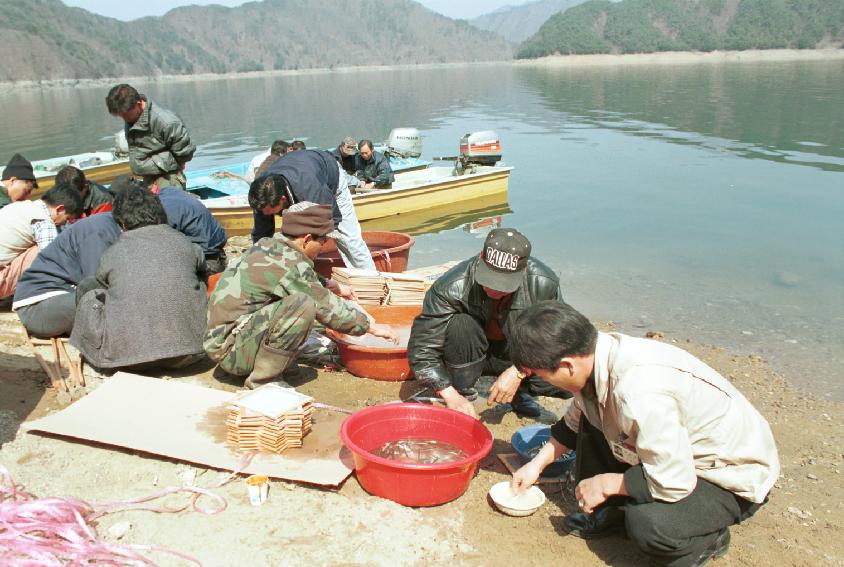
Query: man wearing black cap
{"type": "Point", "coordinates": [18, 181]}
{"type": "Point", "coordinates": [467, 319]}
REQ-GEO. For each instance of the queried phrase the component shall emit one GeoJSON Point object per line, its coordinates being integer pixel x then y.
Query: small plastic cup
{"type": "Point", "coordinates": [258, 487]}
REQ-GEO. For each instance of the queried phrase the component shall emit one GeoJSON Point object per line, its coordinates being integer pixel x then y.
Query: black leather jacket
{"type": "Point", "coordinates": [458, 292]}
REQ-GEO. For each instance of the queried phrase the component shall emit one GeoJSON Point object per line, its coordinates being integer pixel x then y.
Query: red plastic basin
{"type": "Point", "coordinates": [390, 252]}
{"type": "Point", "coordinates": [382, 362]}
{"type": "Point", "coordinates": [212, 282]}
{"type": "Point", "coordinates": [411, 484]}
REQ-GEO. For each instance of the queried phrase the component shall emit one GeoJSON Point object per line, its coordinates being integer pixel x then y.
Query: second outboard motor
{"type": "Point", "coordinates": [476, 149]}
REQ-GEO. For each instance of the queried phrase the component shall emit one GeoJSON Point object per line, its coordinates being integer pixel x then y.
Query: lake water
{"type": "Point", "coordinates": [704, 201]}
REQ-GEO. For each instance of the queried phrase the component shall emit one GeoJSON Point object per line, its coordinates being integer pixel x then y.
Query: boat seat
{"type": "Point", "coordinates": [61, 357]}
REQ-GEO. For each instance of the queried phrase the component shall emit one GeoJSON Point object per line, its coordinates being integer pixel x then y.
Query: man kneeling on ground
{"type": "Point", "coordinates": [666, 447]}
{"type": "Point", "coordinates": [146, 307]}
{"type": "Point", "coordinates": [266, 301]}
{"type": "Point", "coordinates": [466, 322]}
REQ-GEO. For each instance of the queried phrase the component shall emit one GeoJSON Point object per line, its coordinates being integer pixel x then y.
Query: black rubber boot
{"type": "Point", "coordinates": [465, 376]}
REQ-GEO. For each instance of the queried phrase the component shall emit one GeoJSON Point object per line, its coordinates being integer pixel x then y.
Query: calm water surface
{"type": "Point", "coordinates": [703, 201]}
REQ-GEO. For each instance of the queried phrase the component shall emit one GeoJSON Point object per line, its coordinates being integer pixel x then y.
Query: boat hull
{"type": "Point", "coordinates": [424, 190]}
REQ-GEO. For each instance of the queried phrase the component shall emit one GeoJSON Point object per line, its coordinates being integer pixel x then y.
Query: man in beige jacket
{"type": "Point", "coordinates": [666, 447]}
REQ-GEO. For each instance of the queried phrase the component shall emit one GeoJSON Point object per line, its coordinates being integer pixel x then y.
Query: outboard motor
{"type": "Point", "coordinates": [405, 143]}
{"type": "Point", "coordinates": [480, 148]}
{"type": "Point", "coordinates": [476, 149]}
{"type": "Point", "coordinates": [121, 146]}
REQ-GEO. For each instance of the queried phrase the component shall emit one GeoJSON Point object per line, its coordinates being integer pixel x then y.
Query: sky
{"type": "Point", "coordinates": [130, 10]}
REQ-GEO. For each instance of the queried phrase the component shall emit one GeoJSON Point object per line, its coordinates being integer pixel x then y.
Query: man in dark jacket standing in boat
{"type": "Point", "coordinates": [467, 319]}
{"type": "Point", "coordinates": [316, 177]}
{"type": "Point", "coordinates": [372, 168]}
{"type": "Point", "coordinates": [159, 144]}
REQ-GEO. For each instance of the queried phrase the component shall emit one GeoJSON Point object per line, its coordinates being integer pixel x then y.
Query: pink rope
{"type": "Point", "coordinates": [57, 531]}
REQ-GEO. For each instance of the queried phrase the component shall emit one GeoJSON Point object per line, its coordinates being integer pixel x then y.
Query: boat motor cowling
{"type": "Point", "coordinates": [405, 143]}
{"type": "Point", "coordinates": [476, 149]}
{"type": "Point", "coordinates": [480, 148]}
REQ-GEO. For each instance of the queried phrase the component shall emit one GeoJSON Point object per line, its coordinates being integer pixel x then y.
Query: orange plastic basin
{"type": "Point", "coordinates": [371, 357]}
{"type": "Point", "coordinates": [390, 252]}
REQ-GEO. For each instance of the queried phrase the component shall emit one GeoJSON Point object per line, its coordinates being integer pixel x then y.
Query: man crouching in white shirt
{"type": "Point", "coordinates": [667, 449]}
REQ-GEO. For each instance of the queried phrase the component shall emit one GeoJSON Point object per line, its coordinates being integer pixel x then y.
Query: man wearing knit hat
{"type": "Point", "coordinates": [467, 319]}
{"type": "Point", "coordinates": [266, 301]}
{"type": "Point", "coordinates": [18, 181]}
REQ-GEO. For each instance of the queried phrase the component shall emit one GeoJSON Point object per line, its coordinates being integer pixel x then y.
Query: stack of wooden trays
{"type": "Point", "coordinates": [368, 284]}
{"type": "Point", "coordinates": [404, 289]}
{"type": "Point", "coordinates": [270, 419]}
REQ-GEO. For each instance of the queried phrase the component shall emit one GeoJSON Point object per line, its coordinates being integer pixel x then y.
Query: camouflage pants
{"type": "Point", "coordinates": [283, 325]}
{"type": "Point", "coordinates": [174, 179]}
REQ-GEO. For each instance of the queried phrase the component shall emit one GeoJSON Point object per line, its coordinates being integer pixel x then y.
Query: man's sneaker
{"type": "Point", "coordinates": [525, 406]}
{"type": "Point", "coordinates": [716, 549]}
{"type": "Point", "coordinates": [603, 522]}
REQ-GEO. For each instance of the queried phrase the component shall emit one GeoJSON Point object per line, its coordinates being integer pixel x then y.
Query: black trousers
{"type": "Point", "coordinates": [469, 354]}
{"type": "Point", "coordinates": [672, 533]}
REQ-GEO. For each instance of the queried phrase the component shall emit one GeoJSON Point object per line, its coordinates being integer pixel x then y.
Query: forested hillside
{"type": "Point", "coordinates": [44, 39]}
{"type": "Point", "coordinates": [643, 26]}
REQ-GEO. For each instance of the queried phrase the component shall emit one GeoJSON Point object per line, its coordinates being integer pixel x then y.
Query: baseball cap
{"type": "Point", "coordinates": [503, 260]}
{"type": "Point", "coordinates": [349, 145]}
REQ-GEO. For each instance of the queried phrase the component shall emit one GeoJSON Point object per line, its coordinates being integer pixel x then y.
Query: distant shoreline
{"type": "Point", "coordinates": [595, 60]}
{"type": "Point", "coordinates": [684, 58]}
{"type": "Point", "coordinates": [6, 86]}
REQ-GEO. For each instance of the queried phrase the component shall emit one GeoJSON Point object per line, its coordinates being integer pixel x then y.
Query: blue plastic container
{"type": "Point", "coordinates": [533, 436]}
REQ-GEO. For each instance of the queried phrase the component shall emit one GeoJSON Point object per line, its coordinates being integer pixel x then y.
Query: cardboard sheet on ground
{"type": "Point", "coordinates": [187, 423]}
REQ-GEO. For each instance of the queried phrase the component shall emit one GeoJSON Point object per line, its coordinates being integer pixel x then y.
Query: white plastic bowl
{"type": "Point", "coordinates": [516, 504]}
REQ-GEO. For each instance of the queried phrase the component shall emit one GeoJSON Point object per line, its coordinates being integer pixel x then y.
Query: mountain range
{"type": "Point", "coordinates": [517, 23]}
{"type": "Point", "coordinates": [45, 39]}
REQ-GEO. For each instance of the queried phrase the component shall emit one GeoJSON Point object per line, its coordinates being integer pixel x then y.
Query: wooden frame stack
{"type": "Point", "coordinates": [271, 419]}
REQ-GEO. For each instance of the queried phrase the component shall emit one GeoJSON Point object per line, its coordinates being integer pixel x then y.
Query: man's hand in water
{"type": "Point", "coordinates": [454, 400]}
{"type": "Point", "coordinates": [383, 331]}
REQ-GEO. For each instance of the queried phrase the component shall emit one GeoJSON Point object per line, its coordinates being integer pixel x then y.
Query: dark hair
{"type": "Point", "coordinates": [123, 182]}
{"type": "Point", "coordinates": [267, 191]}
{"type": "Point", "coordinates": [65, 195]}
{"type": "Point", "coordinates": [73, 176]}
{"type": "Point", "coordinates": [279, 148]}
{"type": "Point", "coordinates": [135, 207]}
{"type": "Point", "coordinates": [122, 97]}
{"type": "Point", "coordinates": [549, 331]}
{"type": "Point", "coordinates": [367, 143]}
{"type": "Point", "coordinates": [298, 145]}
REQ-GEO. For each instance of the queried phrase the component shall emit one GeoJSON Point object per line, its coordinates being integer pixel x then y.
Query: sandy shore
{"type": "Point", "coordinates": [685, 58]}
{"type": "Point", "coordinates": [598, 60]}
{"type": "Point", "coordinates": [347, 526]}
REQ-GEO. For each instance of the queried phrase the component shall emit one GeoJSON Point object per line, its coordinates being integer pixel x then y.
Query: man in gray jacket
{"type": "Point", "coordinates": [159, 144]}
{"type": "Point", "coordinates": [146, 307]}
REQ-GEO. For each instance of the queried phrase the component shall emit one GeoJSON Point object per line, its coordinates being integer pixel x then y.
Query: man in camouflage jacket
{"type": "Point", "coordinates": [266, 302]}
